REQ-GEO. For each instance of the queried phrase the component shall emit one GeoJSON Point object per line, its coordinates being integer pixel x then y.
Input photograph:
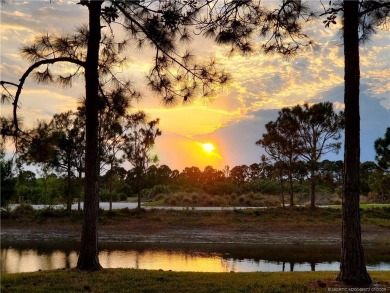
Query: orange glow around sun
{"type": "Point", "coordinates": [210, 154]}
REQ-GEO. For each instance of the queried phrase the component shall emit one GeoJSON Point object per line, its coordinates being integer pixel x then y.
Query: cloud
{"type": "Point", "coordinates": [237, 140]}
{"type": "Point", "coordinates": [235, 119]}
{"type": "Point", "coordinates": [374, 119]}
{"type": "Point", "coordinates": [42, 104]}
{"type": "Point", "coordinates": [191, 120]}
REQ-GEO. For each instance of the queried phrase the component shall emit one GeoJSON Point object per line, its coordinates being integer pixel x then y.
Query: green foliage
{"type": "Point", "coordinates": [264, 186]}
{"type": "Point", "coordinates": [366, 170]}
{"type": "Point", "coordinates": [221, 188]}
{"type": "Point", "coordinates": [48, 213]}
{"type": "Point", "coordinates": [29, 194]}
{"type": "Point", "coordinates": [379, 183]}
{"type": "Point", "coordinates": [106, 195]}
{"type": "Point", "coordinates": [155, 190]}
{"type": "Point", "coordinates": [302, 188]}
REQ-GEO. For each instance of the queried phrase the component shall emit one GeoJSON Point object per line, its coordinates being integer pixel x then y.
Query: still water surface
{"type": "Point", "coordinates": [48, 255]}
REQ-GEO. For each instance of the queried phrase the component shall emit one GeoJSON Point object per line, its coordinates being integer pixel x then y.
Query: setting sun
{"type": "Point", "coordinates": [208, 147]}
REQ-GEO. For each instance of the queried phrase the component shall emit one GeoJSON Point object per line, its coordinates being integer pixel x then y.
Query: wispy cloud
{"type": "Point", "coordinates": [260, 84]}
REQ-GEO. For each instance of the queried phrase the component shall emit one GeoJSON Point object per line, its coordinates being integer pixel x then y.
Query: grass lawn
{"type": "Point", "coordinates": [366, 206]}
{"type": "Point", "coordinates": [132, 280]}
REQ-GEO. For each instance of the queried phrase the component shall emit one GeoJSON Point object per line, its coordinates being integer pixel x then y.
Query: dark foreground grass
{"type": "Point", "coordinates": [132, 280]}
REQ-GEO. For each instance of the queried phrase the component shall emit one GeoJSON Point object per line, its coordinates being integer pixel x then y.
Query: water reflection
{"type": "Point", "coordinates": [45, 255]}
{"type": "Point", "coordinates": [30, 260]}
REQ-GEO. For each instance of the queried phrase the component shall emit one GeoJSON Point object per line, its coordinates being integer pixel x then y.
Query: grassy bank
{"type": "Point", "coordinates": [131, 280]}
{"type": "Point", "coordinates": [274, 225]}
{"type": "Point", "coordinates": [379, 215]}
{"type": "Point", "coordinates": [366, 206]}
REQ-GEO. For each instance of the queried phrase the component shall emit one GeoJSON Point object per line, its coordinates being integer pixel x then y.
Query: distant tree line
{"type": "Point", "coordinates": [118, 184]}
{"type": "Point", "coordinates": [294, 143]}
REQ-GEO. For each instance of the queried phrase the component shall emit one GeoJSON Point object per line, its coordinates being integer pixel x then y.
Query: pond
{"type": "Point", "coordinates": [29, 256]}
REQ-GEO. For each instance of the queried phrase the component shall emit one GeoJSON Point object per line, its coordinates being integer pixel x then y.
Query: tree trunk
{"type": "Point", "coordinates": [291, 188]}
{"type": "Point", "coordinates": [138, 193]}
{"type": "Point", "coordinates": [139, 201]}
{"type": "Point", "coordinates": [352, 263]}
{"type": "Point", "coordinates": [68, 189]}
{"type": "Point", "coordinates": [281, 188]}
{"type": "Point", "coordinates": [88, 257]}
{"type": "Point", "coordinates": [312, 189]}
{"type": "Point", "coordinates": [79, 201]}
{"type": "Point", "coordinates": [110, 188]}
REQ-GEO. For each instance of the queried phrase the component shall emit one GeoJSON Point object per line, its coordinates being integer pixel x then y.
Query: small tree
{"type": "Point", "coordinates": [210, 176]}
{"type": "Point", "coordinates": [330, 173]}
{"type": "Point", "coordinates": [366, 169]}
{"type": "Point", "coordinates": [319, 130]}
{"type": "Point", "coordinates": [138, 142]}
{"type": "Point", "coordinates": [379, 183]}
{"type": "Point", "coordinates": [283, 145]}
{"type": "Point", "coordinates": [67, 137]}
{"type": "Point", "coordinates": [239, 174]}
{"type": "Point", "coordinates": [113, 179]}
{"type": "Point", "coordinates": [191, 176]}
{"type": "Point", "coordinates": [55, 145]}
{"type": "Point", "coordinates": [379, 180]}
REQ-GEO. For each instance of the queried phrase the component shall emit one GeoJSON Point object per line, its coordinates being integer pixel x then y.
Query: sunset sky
{"type": "Point", "coordinates": [221, 131]}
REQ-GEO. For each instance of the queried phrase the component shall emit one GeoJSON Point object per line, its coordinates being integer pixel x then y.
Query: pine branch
{"type": "Point", "coordinates": [25, 76]}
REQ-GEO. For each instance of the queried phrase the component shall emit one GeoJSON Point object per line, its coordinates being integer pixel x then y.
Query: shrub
{"type": "Point", "coordinates": [122, 196]}
{"type": "Point", "coordinates": [264, 186]}
{"type": "Point", "coordinates": [5, 212]}
{"type": "Point", "coordinates": [104, 195]}
{"type": "Point", "coordinates": [221, 188]}
{"type": "Point", "coordinates": [172, 201]}
{"type": "Point", "coordinates": [23, 211]}
{"type": "Point", "coordinates": [149, 193]}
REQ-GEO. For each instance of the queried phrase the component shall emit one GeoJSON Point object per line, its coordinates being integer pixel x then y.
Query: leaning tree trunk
{"type": "Point", "coordinates": [352, 263]}
{"type": "Point", "coordinates": [88, 257]}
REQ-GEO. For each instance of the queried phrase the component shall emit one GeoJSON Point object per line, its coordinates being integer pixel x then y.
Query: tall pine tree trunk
{"type": "Point", "coordinates": [352, 264]}
{"type": "Point", "coordinates": [88, 257]}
